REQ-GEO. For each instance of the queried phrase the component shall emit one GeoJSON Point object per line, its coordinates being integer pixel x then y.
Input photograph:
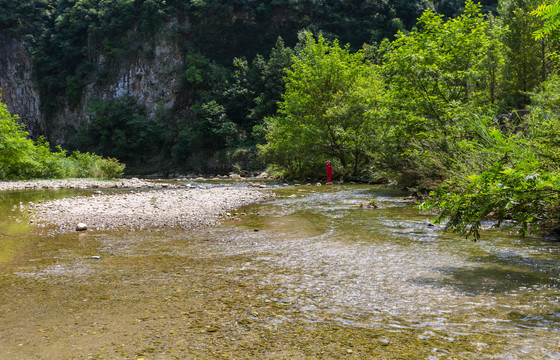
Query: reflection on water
{"type": "Point", "coordinates": [328, 261]}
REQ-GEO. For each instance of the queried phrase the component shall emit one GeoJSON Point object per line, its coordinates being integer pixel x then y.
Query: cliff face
{"type": "Point", "coordinates": [151, 77]}
{"type": "Point", "coordinates": [19, 91]}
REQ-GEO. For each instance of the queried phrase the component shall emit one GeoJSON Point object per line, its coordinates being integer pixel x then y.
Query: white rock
{"type": "Point", "coordinates": [81, 227]}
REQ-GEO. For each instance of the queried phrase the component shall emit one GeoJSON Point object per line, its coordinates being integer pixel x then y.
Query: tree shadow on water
{"type": "Point", "coordinates": [495, 275]}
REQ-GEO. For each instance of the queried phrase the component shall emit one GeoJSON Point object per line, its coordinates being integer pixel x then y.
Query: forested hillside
{"type": "Point", "coordinates": [225, 72]}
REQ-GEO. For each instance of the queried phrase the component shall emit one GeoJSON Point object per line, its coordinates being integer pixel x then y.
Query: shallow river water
{"type": "Point", "coordinates": [306, 275]}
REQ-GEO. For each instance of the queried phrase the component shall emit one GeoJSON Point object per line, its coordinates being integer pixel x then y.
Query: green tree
{"type": "Point", "coordinates": [214, 130]}
{"type": "Point", "coordinates": [15, 147]}
{"type": "Point", "coordinates": [270, 82]}
{"type": "Point", "coordinates": [27, 18]}
{"type": "Point", "coordinates": [445, 63]}
{"type": "Point", "coordinates": [526, 58]}
{"type": "Point", "coordinates": [522, 185]}
{"type": "Point", "coordinates": [119, 128]}
{"type": "Point", "coordinates": [550, 14]}
{"type": "Point", "coordinates": [438, 75]}
{"type": "Point", "coordinates": [327, 110]}
{"type": "Point", "coordinates": [543, 125]}
{"type": "Point", "coordinates": [239, 97]}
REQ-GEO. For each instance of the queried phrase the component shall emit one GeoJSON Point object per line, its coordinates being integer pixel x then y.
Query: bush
{"type": "Point", "coordinates": [16, 151]}
{"type": "Point", "coordinates": [22, 158]}
{"type": "Point", "coordinates": [83, 164]}
{"type": "Point", "coordinates": [110, 168]}
{"type": "Point", "coordinates": [91, 165]}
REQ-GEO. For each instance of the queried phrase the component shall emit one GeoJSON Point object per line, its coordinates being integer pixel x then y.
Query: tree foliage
{"type": "Point", "coordinates": [550, 13]}
{"type": "Point", "coordinates": [520, 183]}
{"type": "Point", "coordinates": [269, 81]}
{"type": "Point", "coordinates": [23, 158]}
{"type": "Point", "coordinates": [517, 188]}
{"type": "Point", "coordinates": [29, 17]}
{"type": "Point", "coordinates": [327, 111]}
{"type": "Point", "coordinates": [120, 129]}
{"type": "Point", "coordinates": [445, 63]}
{"type": "Point", "coordinates": [522, 186]}
{"type": "Point", "coordinates": [525, 59]}
{"type": "Point", "coordinates": [439, 76]}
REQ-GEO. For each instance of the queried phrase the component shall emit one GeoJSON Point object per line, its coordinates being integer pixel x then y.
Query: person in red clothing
{"type": "Point", "coordinates": [329, 172]}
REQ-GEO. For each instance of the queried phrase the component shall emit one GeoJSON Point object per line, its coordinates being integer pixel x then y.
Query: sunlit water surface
{"type": "Point", "coordinates": [390, 266]}
{"type": "Point", "coordinates": [329, 260]}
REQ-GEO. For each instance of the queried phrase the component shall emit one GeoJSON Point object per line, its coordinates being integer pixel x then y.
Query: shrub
{"type": "Point", "coordinates": [110, 168]}
{"type": "Point", "coordinates": [22, 158]}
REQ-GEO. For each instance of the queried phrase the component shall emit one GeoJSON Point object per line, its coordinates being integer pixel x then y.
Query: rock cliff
{"type": "Point", "coordinates": [19, 90]}
{"type": "Point", "coordinates": [150, 76]}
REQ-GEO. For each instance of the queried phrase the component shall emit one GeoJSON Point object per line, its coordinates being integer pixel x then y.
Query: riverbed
{"type": "Point", "coordinates": [308, 274]}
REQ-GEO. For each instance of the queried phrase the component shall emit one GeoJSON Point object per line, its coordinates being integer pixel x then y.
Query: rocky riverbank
{"type": "Point", "coordinates": [81, 184]}
{"type": "Point", "coordinates": [180, 208]}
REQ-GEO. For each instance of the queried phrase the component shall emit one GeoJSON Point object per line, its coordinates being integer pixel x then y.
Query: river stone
{"type": "Point", "coordinates": [385, 342]}
{"type": "Point", "coordinates": [368, 205]}
{"type": "Point", "coordinates": [81, 227]}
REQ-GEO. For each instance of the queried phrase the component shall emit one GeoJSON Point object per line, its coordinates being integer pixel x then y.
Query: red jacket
{"type": "Point", "coordinates": [329, 170]}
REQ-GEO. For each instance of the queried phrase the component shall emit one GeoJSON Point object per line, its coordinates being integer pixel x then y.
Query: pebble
{"type": "Point", "coordinates": [385, 342]}
{"type": "Point", "coordinates": [81, 227]}
{"type": "Point", "coordinates": [172, 208]}
{"type": "Point", "coordinates": [80, 184]}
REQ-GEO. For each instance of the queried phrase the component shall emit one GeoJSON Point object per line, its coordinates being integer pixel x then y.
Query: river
{"type": "Point", "coordinates": [307, 275]}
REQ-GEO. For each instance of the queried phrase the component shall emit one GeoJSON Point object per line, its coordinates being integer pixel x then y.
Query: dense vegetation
{"type": "Point", "coordinates": [329, 110]}
{"type": "Point", "coordinates": [457, 98]}
{"type": "Point", "coordinates": [424, 110]}
{"type": "Point", "coordinates": [22, 158]}
{"type": "Point", "coordinates": [235, 57]}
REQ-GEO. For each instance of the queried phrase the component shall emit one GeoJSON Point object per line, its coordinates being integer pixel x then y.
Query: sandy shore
{"type": "Point", "coordinates": [182, 208]}
{"type": "Point", "coordinates": [81, 184]}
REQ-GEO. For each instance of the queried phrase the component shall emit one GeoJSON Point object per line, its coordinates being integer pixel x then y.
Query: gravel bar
{"type": "Point", "coordinates": [178, 208]}
{"type": "Point", "coordinates": [133, 183]}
